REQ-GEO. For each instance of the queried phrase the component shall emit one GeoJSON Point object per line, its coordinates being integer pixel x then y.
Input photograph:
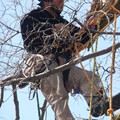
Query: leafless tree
{"type": "Point", "coordinates": [13, 55]}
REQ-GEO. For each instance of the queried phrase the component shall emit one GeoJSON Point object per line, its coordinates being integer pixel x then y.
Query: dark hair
{"type": "Point", "coordinates": [41, 2]}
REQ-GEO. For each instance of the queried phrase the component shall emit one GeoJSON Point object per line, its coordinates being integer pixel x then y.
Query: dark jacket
{"type": "Point", "coordinates": [36, 26]}
{"type": "Point", "coordinates": [39, 36]}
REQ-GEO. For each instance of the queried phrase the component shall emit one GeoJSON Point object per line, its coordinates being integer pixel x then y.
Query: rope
{"type": "Point", "coordinates": [111, 6]}
{"type": "Point", "coordinates": [38, 105]}
{"type": "Point", "coordinates": [110, 110]}
{"type": "Point", "coordinates": [95, 66]}
{"type": "Point", "coordinates": [77, 53]}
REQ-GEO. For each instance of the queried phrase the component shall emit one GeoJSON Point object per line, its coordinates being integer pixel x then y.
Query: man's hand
{"type": "Point", "coordinates": [62, 30]}
{"type": "Point", "coordinates": [58, 26]}
{"type": "Point", "coordinates": [91, 21]}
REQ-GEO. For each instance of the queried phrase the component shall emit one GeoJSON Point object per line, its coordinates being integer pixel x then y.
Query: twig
{"type": "Point", "coordinates": [106, 33]}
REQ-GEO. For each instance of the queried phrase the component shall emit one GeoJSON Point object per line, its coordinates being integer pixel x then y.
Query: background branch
{"type": "Point", "coordinates": [1, 94]}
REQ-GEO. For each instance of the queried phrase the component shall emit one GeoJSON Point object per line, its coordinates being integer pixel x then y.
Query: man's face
{"type": "Point", "coordinates": [58, 4]}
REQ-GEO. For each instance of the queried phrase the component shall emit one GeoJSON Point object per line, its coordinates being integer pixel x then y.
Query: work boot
{"type": "Point", "coordinates": [102, 105]}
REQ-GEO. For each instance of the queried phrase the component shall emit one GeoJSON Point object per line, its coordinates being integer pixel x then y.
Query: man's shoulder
{"type": "Point", "coordinates": [36, 12]}
{"type": "Point", "coordinates": [33, 15]}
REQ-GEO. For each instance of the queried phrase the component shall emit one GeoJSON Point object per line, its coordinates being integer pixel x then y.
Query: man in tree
{"type": "Point", "coordinates": [45, 32]}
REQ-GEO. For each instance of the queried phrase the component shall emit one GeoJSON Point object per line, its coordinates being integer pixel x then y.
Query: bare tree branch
{"type": "Point", "coordinates": [105, 33]}
{"type": "Point", "coordinates": [1, 94]}
{"type": "Point", "coordinates": [10, 46]}
{"type": "Point", "coordinates": [16, 80]}
{"type": "Point", "coordinates": [16, 102]}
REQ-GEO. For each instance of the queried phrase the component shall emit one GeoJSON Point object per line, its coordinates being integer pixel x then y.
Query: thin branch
{"type": "Point", "coordinates": [7, 81]}
{"type": "Point", "coordinates": [9, 27]}
{"type": "Point", "coordinates": [16, 102]}
{"type": "Point", "coordinates": [106, 33]}
{"type": "Point", "coordinates": [1, 95]}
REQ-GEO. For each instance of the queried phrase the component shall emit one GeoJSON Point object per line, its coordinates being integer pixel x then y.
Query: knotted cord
{"type": "Point", "coordinates": [77, 53]}
{"type": "Point", "coordinates": [110, 110]}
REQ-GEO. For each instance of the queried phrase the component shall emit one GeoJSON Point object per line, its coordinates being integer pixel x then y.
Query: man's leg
{"type": "Point", "coordinates": [55, 93]}
{"type": "Point", "coordinates": [100, 103]}
{"type": "Point", "coordinates": [78, 79]}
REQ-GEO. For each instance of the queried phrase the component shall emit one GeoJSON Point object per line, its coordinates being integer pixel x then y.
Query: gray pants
{"type": "Point", "coordinates": [56, 94]}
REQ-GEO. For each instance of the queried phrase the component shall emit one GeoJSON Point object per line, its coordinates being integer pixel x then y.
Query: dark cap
{"type": "Point", "coordinates": [41, 1]}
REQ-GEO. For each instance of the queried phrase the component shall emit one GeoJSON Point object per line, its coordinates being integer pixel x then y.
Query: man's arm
{"type": "Point", "coordinates": [33, 33]}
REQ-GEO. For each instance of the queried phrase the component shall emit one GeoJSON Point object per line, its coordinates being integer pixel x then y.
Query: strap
{"type": "Point", "coordinates": [65, 77]}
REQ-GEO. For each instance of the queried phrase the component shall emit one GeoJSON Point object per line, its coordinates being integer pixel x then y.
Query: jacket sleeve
{"type": "Point", "coordinates": [33, 32]}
